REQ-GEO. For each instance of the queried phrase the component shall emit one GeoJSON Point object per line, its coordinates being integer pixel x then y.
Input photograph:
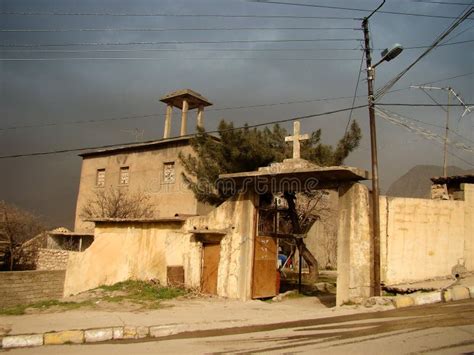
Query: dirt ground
{"type": "Point", "coordinates": [439, 328]}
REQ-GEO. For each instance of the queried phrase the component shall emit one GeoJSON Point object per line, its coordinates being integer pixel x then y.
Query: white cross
{"type": "Point", "coordinates": [296, 138]}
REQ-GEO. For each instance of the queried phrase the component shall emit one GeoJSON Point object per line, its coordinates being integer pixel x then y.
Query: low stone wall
{"type": "Point", "coordinates": [52, 259]}
{"type": "Point", "coordinates": [23, 287]}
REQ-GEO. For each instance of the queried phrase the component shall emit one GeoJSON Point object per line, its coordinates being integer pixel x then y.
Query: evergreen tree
{"type": "Point", "coordinates": [247, 149]}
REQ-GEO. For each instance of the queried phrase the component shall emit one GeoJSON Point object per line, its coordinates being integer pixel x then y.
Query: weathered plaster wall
{"type": "Point", "coordinates": [126, 251]}
{"type": "Point", "coordinates": [145, 175]}
{"type": "Point", "coordinates": [354, 244]}
{"type": "Point", "coordinates": [321, 240]}
{"type": "Point", "coordinates": [237, 217]}
{"type": "Point", "coordinates": [423, 239]}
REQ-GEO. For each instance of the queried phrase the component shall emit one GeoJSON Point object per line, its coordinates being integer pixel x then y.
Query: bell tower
{"type": "Point", "coordinates": [184, 100]}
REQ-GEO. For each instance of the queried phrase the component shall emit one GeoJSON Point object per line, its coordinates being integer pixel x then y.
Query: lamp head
{"type": "Point", "coordinates": [389, 53]}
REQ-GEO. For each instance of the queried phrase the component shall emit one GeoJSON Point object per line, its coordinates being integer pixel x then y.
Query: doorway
{"type": "Point", "coordinates": [210, 267]}
{"type": "Point", "coordinates": [264, 280]}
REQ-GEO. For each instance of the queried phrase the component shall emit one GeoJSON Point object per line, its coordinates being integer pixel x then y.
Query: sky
{"type": "Point", "coordinates": [89, 64]}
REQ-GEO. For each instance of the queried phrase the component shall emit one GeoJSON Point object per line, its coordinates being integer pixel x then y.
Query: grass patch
{"type": "Point", "coordinates": [141, 291]}
{"type": "Point", "coordinates": [21, 308]}
{"type": "Point", "coordinates": [145, 293]}
{"type": "Point", "coordinates": [13, 311]}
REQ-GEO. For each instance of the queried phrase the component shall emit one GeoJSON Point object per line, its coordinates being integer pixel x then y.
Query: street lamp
{"type": "Point", "coordinates": [390, 53]}
{"type": "Point", "coordinates": [387, 55]}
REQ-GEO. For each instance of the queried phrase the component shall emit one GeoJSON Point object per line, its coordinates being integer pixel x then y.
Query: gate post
{"type": "Point", "coordinates": [354, 249]}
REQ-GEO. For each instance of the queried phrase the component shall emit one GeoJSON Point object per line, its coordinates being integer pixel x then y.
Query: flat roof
{"type": "Point", "coordinates": [194, 99]}
{"type": "Point", "coordinates": [292, 174]}
{"type": "Point", "coordinates": [140, 146]}
{"type": "Point", "coordinates": [70, 234]}
{"type": "Point", "coordinates": [178, 219]}
{"type": "Point", "coordinates": [454, 179]}
{"type": "Point", "coordinates": [323, 173]}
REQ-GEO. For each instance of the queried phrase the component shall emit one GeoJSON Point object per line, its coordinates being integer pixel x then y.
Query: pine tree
{"type": "Point", "coordinates": [247, 149]}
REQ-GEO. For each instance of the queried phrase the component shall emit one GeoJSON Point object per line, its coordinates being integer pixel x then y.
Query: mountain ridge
{"type": "Point", "coordinates": [416, 181]}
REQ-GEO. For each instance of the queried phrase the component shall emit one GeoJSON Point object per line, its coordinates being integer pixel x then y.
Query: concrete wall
{"type": "Point", "coordinates": [321, 240]}
{"type": "Point", "coordinates": [354, 247]}
{"type": "Point", "coordinates": [237, 217]}
{"type": "Point", "coordinates": [24, 287]}
{"type": "Point", "coordinates": [123, 251]}
{"type": "Point", "coordinates": [423, 239]}
{"type": "Point", "coordinates": [52, 259]}
{"type": "Point", "coordinates": [126, 251]}
{"type": "Point", "coordinates": [145, 175]}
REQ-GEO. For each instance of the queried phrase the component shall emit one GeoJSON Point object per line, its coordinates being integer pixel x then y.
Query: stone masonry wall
{"type": "Point", "coordinates": [23, 287]}
{"type": "Point", "coordinates": [52, 259]}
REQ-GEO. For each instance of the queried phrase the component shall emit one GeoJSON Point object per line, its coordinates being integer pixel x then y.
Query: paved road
{"type": "Point", "coordinates": [440, 328]}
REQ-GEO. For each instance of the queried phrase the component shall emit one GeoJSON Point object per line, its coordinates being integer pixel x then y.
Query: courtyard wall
{"type": "Point", "coordinates": [424, 239]}
{"type": "Point", "coordinates": [144, 250]}
{"type": "Point", "coordinates": [52, 259]}
{"type": "Point", "coordinates": [24, 287]}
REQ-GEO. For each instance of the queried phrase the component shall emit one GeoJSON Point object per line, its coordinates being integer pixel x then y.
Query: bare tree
{"type": "Point", "coordinates": [303, 210]}
{"type": "Point", "coordinates": [118, 203]}
{"type": "Point", "coordinates": [17, 226]}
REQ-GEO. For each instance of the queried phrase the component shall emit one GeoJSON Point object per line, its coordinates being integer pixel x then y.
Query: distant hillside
{"type": "Point", "coordinates": [416, 182]}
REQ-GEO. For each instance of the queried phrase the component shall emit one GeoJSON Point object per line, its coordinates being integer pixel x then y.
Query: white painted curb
{"type": "Point", "coordinates": [139, 332]}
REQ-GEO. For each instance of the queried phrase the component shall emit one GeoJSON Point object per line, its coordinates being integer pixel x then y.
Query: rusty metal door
{"type": "Point", "coordinates": [210, 266]}
{"type": "Point", "coordinates": [264, 268]}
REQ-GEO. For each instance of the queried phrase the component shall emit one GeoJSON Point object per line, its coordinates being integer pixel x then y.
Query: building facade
{"type": "Point", "coordinates": [150, 169]}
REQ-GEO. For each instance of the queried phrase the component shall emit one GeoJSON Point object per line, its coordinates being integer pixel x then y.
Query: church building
{"type": "Point", "coordinates": [152, 168]}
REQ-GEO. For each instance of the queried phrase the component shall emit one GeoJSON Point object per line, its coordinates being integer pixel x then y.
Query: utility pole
{"type": "Point", "coordinates": [445, 158]}
{"type": "Point", "coordinates": [451, 93]}
{"type": "Point", "coordinates": [375, 173]}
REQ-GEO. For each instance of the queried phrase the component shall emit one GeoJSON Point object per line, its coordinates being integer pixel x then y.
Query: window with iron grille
{"type": "Point", "coordinates": [169, 176]}
{"type": "Point", "coordinates": [124, 175]}
{"type": "Point", "coordinates": [100, 178]}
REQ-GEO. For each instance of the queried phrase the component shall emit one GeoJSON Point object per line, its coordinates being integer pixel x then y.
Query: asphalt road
{"type": "Point", "coordinates": [435, 329]}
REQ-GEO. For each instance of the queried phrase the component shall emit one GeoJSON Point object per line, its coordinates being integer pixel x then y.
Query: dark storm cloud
{"type": "Point", "coordinates": [65, 91]}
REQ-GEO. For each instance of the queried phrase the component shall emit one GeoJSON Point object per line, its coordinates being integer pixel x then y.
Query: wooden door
{"type": "Point", "coordinates": [210, 266]}
{"type": "Point", "coordinates": [264, 268]}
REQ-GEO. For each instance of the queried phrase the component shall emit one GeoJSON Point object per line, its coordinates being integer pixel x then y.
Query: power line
{"type": "Point", "coordinates": [174, 59]}
{"type": "Point", "coordinates": [218, 109]}
{"type": "Point", "coordinates": [174, 50]}
{"type": "Point", "coordinates": [207, 49]}
{"type": "Point", "coordinates": [188, 135]}
{"type": "Point", "coordinates": [461, 159]}
{"type": "Point", "coordinates": [175, 29]}
{"type": "Point", "coordinates": [419, 105]}
{"type": "Point", "coordinates": [403, 122]}
{"type": "Point", "coordinates": [445, 110]}
{"type": "Point", "coordinates": [115, 14]}
{"type": "Point", "coordinates": [439, 45]}
{"type": "Point", "coordinates": [460, 33]}
{"type": "Point", "coordinates": [78, 122]}
{"type": "Point", "coordinates": [433, 82]}
{"type": "Point", "coordinates": [351, 9]}
{"type": "Point", "coordinates": [374, 11]}
{"type": "Point", "coordinates": [158, 115]}
{"type": "Point", "coordinates": [443, 2]}
{"type": "Point", "coordinates": [439, 126]}
{"type": "Point", "coordinates": [355, 92]}
{"type": "Point", "coordinates": [177, 42]}
{"type": "Point", "coordinates": [436, 43]}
